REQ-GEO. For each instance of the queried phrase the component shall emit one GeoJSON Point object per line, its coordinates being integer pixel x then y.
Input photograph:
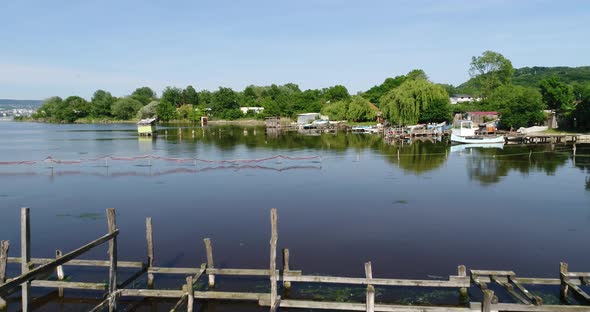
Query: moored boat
{"type": "Point", "coordinates": [463, 132]}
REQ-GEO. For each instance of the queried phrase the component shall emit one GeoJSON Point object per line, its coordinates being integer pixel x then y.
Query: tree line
{"type": "Point", "coordinates": [403, 100]}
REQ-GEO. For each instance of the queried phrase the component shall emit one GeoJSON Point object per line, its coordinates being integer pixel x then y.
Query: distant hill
{"type": "Point", "coordinates": [530, 77]}
{"type": "Point", "coordinates": [9, 103]}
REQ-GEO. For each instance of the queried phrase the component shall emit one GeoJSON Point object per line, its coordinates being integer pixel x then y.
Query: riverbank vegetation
{"type": "Point", "coordinates": [519, 95]}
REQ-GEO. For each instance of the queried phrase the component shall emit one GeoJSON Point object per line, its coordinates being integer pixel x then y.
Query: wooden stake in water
{"type": "Point", "coordinates": [4, 245]}
{"type": "Point", "coordinates": [150, 249]}
{"type": "Point", "coordinates": [60, 273]}
{"type": "Point", "coordinates": [287, 285]}
{"type": "Point", "coordinates": [112, 227]}
{"type": "Point", "coordinates": [209, 250]}
{"type": "Point", "coordinates": [25, 251]}
{"type": "Point", "coordinates": [273, 258]}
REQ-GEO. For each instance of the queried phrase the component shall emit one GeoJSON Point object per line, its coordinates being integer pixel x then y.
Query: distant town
{"type": "Point", "coordinates": [9, 109]}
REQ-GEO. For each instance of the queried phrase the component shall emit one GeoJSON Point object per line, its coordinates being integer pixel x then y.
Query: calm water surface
{"type": "Point", "coordinates": [418, 216]}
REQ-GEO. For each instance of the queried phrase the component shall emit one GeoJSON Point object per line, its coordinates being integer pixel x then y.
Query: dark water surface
{"type": "Point", "coordinates": [418, 216]}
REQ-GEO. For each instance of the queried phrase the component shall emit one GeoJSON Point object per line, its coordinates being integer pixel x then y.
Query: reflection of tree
{"type": "Point", "coordinates": [418, 157]}
{"type": "Point", "coordinates": [587, 183]}
{"type": "Point", "coordinates": [489, 165]}
{"type": "Point", "coordinates": [582, 161]}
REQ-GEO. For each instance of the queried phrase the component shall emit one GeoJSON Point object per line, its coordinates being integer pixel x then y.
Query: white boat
{"type": "Point", "coordinates": [463, 132]}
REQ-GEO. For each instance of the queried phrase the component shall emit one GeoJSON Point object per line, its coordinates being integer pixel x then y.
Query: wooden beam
{"type": "Point", "coordinates": [150, 249]}
{"type": "Point", "coordinates": [112, 227]}
{"type": "Point", "coordinates": [25, 252]}
{"type": "Point", "coordinates": [190, 293]}
{"type": "Point", "coordinates": [535, 299]}
{"type": "Point", "coordinates": [210, 264]}
{"type": "Point", "coordinates": [214, 295]}
{"type": "Point", "coordinates": [374, 281]}
{"type": "Point", "coordinates": [517, 307]}
{"type": "Point", "coordinates": [183, 271]}
{"type": "Point", "coordinates": [578, 291]}
{"type": "Point", "coordinates": [370, 301]}
{"type": "Point", "coordinates": [510, 290]}
{"type": "Point", "coordinates": [68, 285]}
{"type": "Point", "coordinates": [273, 258]}
{"type": "Point", "coordinates": [493, 272]}
{"type": "Point", "coordinates": [60, 273]}
{"type": "Point", "coordinates": [348, 306]}
{"type": "Point", "coordinates": [82, 262]}
{"type": "Point", "coordinates": [462, 272]}
{"type": "Point", "coordinates": [179, 303]}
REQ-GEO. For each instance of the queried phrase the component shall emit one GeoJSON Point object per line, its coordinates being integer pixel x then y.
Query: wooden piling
{"type": "Point", "coordinates": [4, 246]}
{"type": "Point", "coordinates": [210, 265]}
{"type": "Point", "coordinates": [286, 284]}
{"type": "Point", "coordinates": [488, 296]}
{"type": "Point", "coordinates": [150, 249]}
{"type": "Point", "coordinates": [273, 258]}
{"type": "Point", "coordinates": [190, 294]}
{"type": "Point", "coordinates": [25, 251]}
{"type": "Point", "coordinates": [462, 272]}
{"type": "Point", "coordinates": [370, 298]}
{"type": "Point", "coordinates": [112, 227]}
{"type": "Point", "coordinates": [60, 273]}
{"type": "Point", "coordinates": [564, 290]}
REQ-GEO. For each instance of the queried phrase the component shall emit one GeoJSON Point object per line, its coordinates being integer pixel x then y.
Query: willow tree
{"type": "Point", "coordinates": [405, 105]}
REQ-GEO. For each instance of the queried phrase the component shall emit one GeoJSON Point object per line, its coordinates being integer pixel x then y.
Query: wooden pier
{"type": "Point", "coordinates": [540, 138]}
{"type": "Point", "coordinates": [37, 272]}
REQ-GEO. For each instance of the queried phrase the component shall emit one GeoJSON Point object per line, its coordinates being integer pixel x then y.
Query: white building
{"type": "Point", "coordinates": [303, 119]}
{"type": "Point", "coordinates": [257, 110]}
{"type": "Point", "coordinates": [463, 98]}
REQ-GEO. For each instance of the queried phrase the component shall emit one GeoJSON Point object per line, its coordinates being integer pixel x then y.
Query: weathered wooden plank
{"type": "Point", "coordinates": [191, 293]}
{"type": "Point", "coordinates": [535, 299]}
{"type": "Point", "coordinates": [150, 248]}
{"type": "Point", "coordinates": [68, 285]}
{"type": "Point", "coordinates": [346, 306]}
{"type": "Point", "coordinates": [132, 278]}
{"type": "Point", "coordinates": [215, 295]}
{"type": "Point", "coordinates": [492, 272]}
{"type": "Point", "coordinates": [510, 289]}
{"type": "Point", "coordinates": [82, 262]}
{"type": "Point", "coordinates": [531, 280]}
{"type": "Point", "coordinates": [112, 227]}
{"type": "Point", "coordinates": [179, 303]}
{"type": "Point", "coordinates": [50, 266]}
{"type": "Point", "coordinates": [25, 252]}
{"type": "Point", "coordinates": [515, 307]}
{"type": "Point", "coordinates": [210, 265]}
{"type": "Point", "coordinates": [162, 270]}
{"type": "Point", "coordinates": [578, 274]}
{"type": "Point", "coordinates": [60, 273]}
{"type": "Point", "coordinates": [374, 281]}
{"type": "Point", "coordinates": [578, 291]}
{"type": "Point", "coordinates": [273, 259]}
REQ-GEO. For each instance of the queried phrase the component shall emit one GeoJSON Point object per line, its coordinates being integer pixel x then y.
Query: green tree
{"type": "Point", "coordinates": [205, 98]}
{"type": "Point", "coordinates": [144, 95]}
{"type": "Point", "coordinates": [166, 111]}
{"type": "Point", "coordinates": [186, 112]}
{"type": "Point", "coordinates": [582, 112]}
{"type": "Point", "coordinates": [406, 104]}
{"type": "Point", "coordinates": [48, 109]}
{"type": "Point", "coordinates": [72, 108]}
{"type": "Point", "coordinates": [416, 74]}
{"type": "Point", "coordinates": [172, 95]}
{"type": "Point", "coordinates": [438, 111]}
{"type": "Point", "coordinates": [126, 108]}
{"type": "Point", "coordinates": [556, 94]}
{"type": "Point", "coordinates": [336, 110]}
{"type": "Point", "coordinates": [336, 93]}
{"type": "Point", "coordinates": [490, 71]}
{"type": "Point", "coordinates": [518, 106]}
{"type": "Point", "coordinates": [100, 104]}
{"type": "Point", "coordinates": [224, 99]}
{"type": "Point", "coordinates": [148, 111]}
{"type": "Point", "coordinates": [359, 109]}
{"type": "Point", "coordinates": [190, 96]}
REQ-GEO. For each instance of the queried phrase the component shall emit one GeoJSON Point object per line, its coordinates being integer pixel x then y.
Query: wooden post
{"type": "Point", "coordinates": [210, 265]}
{"type": "Point", "coordinates": [273, 258]}
{"type": "Point", "coordinates": [462, 272]}
{"type": "Point", "coordinates": [370, 298]}
{"type": "Point", "coordinates": [25, 252]}
{"type": "Point", "coordinates": [368, 272]}
{"type": "Point", "coordinates": [488, 296]}
{"type": "Point", "coordinates": [4, 246]}
{"type": "Point", "coordinates": [60, 273]}
{"type": "Point", "coordinates": [112, 226]}
{"type": "Point", "coordinates": [190, 294]}
{"type": "Point", "coordinates": [150, 249]}
{"type": "Point", "coordinates": [564, 291]}
{"type": "Point", "coordinates": [286, 269]}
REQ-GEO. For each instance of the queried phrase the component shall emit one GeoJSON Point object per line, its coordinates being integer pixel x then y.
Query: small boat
{"type": "Point", "coordinates": [463, 132]}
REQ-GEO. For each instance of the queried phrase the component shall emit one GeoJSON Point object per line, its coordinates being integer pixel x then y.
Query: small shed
{"type": "Point", "coordinates": [303, 119]}
{"type": "Point", "coordinates": [146, 126]}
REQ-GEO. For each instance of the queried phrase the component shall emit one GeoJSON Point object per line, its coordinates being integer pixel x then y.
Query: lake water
{"type": "Point", "coordinates": [416, 216]}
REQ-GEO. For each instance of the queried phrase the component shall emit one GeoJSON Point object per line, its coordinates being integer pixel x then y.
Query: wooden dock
{"type": "Point", "coordinates": [540, 138]}
{"type": "Point", "coordinates": [36, 272]}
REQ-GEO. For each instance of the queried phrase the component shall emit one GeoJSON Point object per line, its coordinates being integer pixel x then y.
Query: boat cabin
{"type": "Point", "coordinates": [147, 127]}
{"type": "Point", "coordinates": [464, 128]}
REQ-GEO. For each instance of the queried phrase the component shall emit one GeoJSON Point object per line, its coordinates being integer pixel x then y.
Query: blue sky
{"type": "Point", "coordinates": [72, 47]}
